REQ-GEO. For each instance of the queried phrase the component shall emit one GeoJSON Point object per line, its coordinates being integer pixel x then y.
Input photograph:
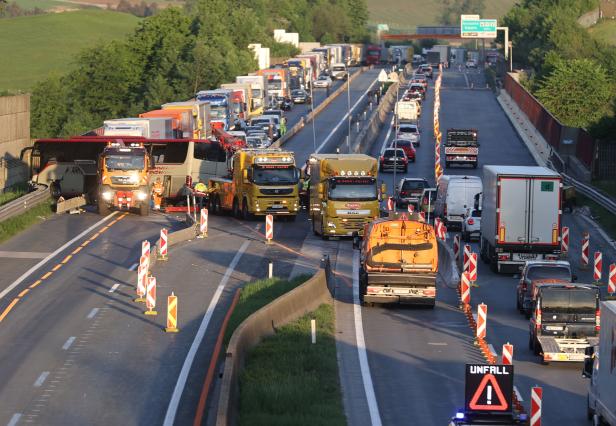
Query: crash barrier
{"type": "Point", "coordinates": [24, 203]}
{"type": "Point", "coordinates": [536, 396]}
{"type": "Point", "coordinates": [597, 267]}
{"type": "Point", "coordinates": [263, 323]}
{"type": "Point", "coordinates": [591, 192]}
{"type": "Point", "coordinates": [507, 357]}
{"type": "Point", "coordinates": [564, 241]}
{"type": "Point", "coordinates": [317, 110]}
{"type": "Point", "coordinates": [585, 250]}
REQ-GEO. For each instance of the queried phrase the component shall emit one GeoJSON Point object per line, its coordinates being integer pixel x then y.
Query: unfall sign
{"type": "Point", "coordinates": [488, 387]}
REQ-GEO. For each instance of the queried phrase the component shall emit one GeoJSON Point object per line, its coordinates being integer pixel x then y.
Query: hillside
{"type": "Point", "coordinates": [605, 31]}
{"type": "Point", "coordinates": [32, 47]}
{"type": "Point", "coordinates": [407, 14]}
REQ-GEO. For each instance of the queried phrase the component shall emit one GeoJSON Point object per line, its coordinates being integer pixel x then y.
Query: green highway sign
{"type": "Point", "coordinates": [477, 28]}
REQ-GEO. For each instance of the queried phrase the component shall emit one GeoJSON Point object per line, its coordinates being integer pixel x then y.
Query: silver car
{"type": "Point", "coordinates": [471, 227]}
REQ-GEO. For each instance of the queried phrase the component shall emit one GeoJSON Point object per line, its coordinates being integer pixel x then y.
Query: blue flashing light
{"type": "Point", "coordinates": [459, 415]}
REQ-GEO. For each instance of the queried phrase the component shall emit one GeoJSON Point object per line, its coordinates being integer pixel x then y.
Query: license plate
{"type": "Point", "coordinates": [525, 256]}
{"type": "Point", "coordinates": [277, 206]}
{"type": "Point", "coordinates": [553, 328]}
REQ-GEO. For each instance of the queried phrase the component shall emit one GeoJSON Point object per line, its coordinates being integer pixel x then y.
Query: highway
{"type": "Point", "coordinates": [78, 350]}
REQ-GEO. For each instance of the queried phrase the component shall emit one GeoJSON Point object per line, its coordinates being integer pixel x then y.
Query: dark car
{"type": "Point", "coordinates": [409, 191]}
{"type": "Point", "coordinates": [537, 272]}
{"type": "Point", "coordinates": [300, 96]}
{"type": "Point", "coordinates": [418, 88]}
{"type": "Point", "coordinates": [426, 69]}
{"type": "Point", "coordinates": [394, 159]}
{"type": "Point", "coordinates": [406, 145]}
{"type": "Point", "coordinates": [280, 102]}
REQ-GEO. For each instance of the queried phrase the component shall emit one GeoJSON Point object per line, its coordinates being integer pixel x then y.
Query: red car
{"type": "Point", "coordinates": [406, 145]}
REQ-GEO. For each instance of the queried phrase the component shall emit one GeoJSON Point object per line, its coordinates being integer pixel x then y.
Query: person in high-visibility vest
{"type": "Point", "coordinates": [157, 193]}
{"type": "Point", "coordinates": [283, 126]}
{"type": "Point", "coordinates": [200, 190]}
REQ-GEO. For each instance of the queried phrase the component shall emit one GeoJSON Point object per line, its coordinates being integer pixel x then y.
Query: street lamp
{"type": "Point", "coordinates": [349, 111]}
{"type": "Point", "coordinates": [314, 135]}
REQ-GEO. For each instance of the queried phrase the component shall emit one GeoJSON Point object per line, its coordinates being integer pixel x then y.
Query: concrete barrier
{"type": "Point", "coordinates": [447, 265]}
{"type": "Point", "coordinates": [299, 301]}
{"type": "Point", "coordinates": [176, 237]}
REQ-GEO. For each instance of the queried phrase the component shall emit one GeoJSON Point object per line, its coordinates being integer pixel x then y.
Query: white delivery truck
{"type": "Point", "coordinates": [258, 91]}
{"type": "Point", "coordinates": [455, 198]}
{"type": "Point", "coordinates": [150, 128]}
{"type": "Point", "coordinates": [600, 367]}
{"type": "Point", "coordinates": [521, 216]}
{"type": "Point", "coordinates": [407, 111]}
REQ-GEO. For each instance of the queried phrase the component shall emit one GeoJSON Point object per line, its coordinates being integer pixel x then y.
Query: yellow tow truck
{"type": "Point", "coordinates": [261, 182]}
{"type": "Point", "coordinates": [343, 193]}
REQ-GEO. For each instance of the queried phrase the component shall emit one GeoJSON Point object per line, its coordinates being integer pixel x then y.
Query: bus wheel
{"type": "Point", "coordinates": [236, 209]}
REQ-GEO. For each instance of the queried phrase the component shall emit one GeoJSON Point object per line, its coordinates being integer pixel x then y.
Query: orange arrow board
{"type": "Point", "coordinates": [490, 387]}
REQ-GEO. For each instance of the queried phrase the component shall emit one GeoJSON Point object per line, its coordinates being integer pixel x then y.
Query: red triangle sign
{"type": "Point", "coordinates": [500, 405]}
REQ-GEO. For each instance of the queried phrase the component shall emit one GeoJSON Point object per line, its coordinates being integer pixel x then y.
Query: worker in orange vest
{"type": "Point", "coordinates": [157, 193]}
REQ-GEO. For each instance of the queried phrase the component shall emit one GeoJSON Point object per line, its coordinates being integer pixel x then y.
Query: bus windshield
{"type": "Point", "coordinates": [125, 162]}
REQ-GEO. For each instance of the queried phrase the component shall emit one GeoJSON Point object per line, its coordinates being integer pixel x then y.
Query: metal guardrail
{"type": "Point", "coordinates": [591, 192]}
{"type": "Point", "coordinates": [24, 203]}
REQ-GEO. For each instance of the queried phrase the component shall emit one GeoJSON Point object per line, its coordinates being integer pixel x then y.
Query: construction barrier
{"type": "Point", "coordinates": [142, 276]}
{"type": "Point", "coordinates": [390, 204]}
{"type": "Point", "coordinates": [611, 281]}
{"type": "Point", "coordinates": [269, 228]}
{"type": "Point", "coordinates": [150, 299]}
{"type": "Point", "coordinates": [466, 257]}
{"type": "Point", "coordinates": [422, 217]}
{"type": "Point", "coordinates": [410, 208]}
{"type": "Point", "coordinates": [507, 358]}
{"type": "Point", "coordinates": [585, 250]}
{"type": "Point", "coordinates": [456, 247]}
{"type": "Point", "coordinates": [172, 314]}
{"type": "Point", "coordinates": [164, 244]}
{"type": "Point", "coordinates": [465, 288]}
{"type": "Point", "coordinates": [536, 396]}
{"type": "Point", "coordinates": [564, 240]}
{"type": "Point", "coordinates": [482, 314]}
{"type": "Point", "coordinates": [597, 267]}
{"type": "Point", "coordinates": [472, 268]}
{"type": "Point", "coordinates": [145, 248]}
{"type": "Point", "coordinates": [203, 219]}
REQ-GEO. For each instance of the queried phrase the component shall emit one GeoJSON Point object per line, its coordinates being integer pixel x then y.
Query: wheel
{"type": "Point", "coordinates": [406, 169]}
{"type": "Point", "coordinates": [474, 165]}
{"type": "Point", "coordinates": [103, 208]}
{"type": "Point", "coordinates": [465, 236]}
{"type": "Point", "coordinates": [314, 228]}
{"type": "Point", "coordinates": [236, 209]}
{"type": "Point", "coordinates": [215, 203]}
{"type": "Point", "coordinates": [144, 208]}
{"type": "Point", "coordinates": [245, 213]}
{"type": "Point", "coordinates": [590, 413]}
{"type": "Point", "coordinates": [494, 264]}
{"type": "Point", "coordinates": [324, 236]}
{"type": "Point", "coordinates": [517, 303]}
{"type": "Point", "coordinates": [530, 342]}
{"type": "Point", "coordinates": [536, 347]}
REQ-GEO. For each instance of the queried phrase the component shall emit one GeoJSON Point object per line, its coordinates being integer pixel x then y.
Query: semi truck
{"type": "Point", "coordinates": [398, 262]}
{"type": "Point", "coordinates": [222, 107]}
{"type": "Point", "coordinates": [124, 182]}
{"type": "Point", "coordinates": [244, 93]}
{"type": "Point", "coordinates": [276, 80]}
{"type": "Point", "coordinates": [433, 57]}
{"type": "Point", "coordinates": [183, 123]}
{"type": "Point", "coordinates": [565, 321]}
{"type": "Point", "coordinates": [261, 182]}
{"type": "Point", "coordinates": [258, 92]}
{"type": "Point", "coordinates": [150, 127]}
{"type": "Point", "coordinates": [343, 193]}
{"type": "Point", "coordinates": [600, 368]}
{"type": "Point", "coordinates": [200, 112]}
{"type": "Point", "coordinates": [461, 147]}
{"type": "Point", "coordinates": [521, 216]}
{"type": "Point", "coordinates": [372, 54]}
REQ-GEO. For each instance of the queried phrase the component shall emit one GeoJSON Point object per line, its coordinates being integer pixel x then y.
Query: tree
{"type": "Point", "coordinates": [452, 9]}
{"type": "Point", "coordinates": [578, 92]}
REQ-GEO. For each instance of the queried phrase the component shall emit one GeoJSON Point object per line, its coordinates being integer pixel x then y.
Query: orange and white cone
{"type": "Point", "coordinates": [150, 298]}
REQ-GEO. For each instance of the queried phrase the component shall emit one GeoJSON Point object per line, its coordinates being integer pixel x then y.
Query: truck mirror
{"type": "Point", "coordinates": [356, 241]}
{"type": "Point", "coordinates": [383, 190]}
{"type": "Point", "coordinates": [320, 189]}
{"type": "Point", "coordinates": [588, 362]}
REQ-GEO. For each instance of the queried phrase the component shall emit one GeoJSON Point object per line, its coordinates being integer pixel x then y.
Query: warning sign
{"type": "Point", "coordinates": [488, 387]}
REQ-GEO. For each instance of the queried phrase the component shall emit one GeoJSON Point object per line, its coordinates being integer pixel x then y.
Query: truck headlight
{"type": "Point", "coordinates": [133, 179]}
{"type": "Point", "coordinates": [331, 225]}
{"type": "Point", "coordinates": [107, 195]}
{"type": "Point", "coordinates": [141, 195]}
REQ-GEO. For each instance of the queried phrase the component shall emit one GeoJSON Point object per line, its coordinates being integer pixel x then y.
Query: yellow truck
{"type": "Point", "coordinates": [343, 193]}
{"type": "Point", "coordinates": [261, 182]}
{"type": "Point", "coordinates": [398, 262]}
{"type": "Point", "coordinates": [124, 173]}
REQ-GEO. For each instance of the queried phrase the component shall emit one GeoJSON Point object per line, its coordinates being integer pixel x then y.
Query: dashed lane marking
{"type": "Point", "coordinates": [133, 266]}
{"type": "Point", "coordinates": [68, 343]}
{"type": "Point", "coordinates": [517, 393]}
{"type": "Point", "coordinates": [92, 313]}
{"type": "Point", "coordinates": [14, 420]}
{"type": "Point", "coordinates": [114, 287]}
{"type": "Point", "coordinates": [41, 379]}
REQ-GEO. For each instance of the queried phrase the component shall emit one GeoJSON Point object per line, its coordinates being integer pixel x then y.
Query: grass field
{"type": "Point", "coordinates": [605, 30]}
{"type": "Point", "coordinates": [290, 381]}
{"type": "Point", "coordinates": [15, 225]}
{"type": "Point", "coordinates": [33, 47]}
{"type": "Point", "coordinates": [14, 193]}
{"type": "Point", "coordinates": [78, 4]}
{"type": "Point", "coordinates": [407, 14]}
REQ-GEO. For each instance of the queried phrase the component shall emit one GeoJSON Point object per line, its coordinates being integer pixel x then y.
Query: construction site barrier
{"type": "Point", "coordinates": [285, 309]}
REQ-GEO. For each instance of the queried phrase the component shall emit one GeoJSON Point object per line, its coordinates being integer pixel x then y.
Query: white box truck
{"type": "Point", "coordinates": [521, 216]}
{"type": "Point", "coordinates": [600, 367]}
{"type": "Point", "coordinates": [150, 128]}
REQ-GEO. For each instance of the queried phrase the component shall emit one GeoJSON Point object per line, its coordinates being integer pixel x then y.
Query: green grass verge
{"type": "Point", "coordinates": [289, 381]}
{"type": "Point", "coordinates": [12, 194]}
{"type": "Point", "coordinates": [33, 47]}
{"type": "Point", "coordinates": [44, 4]}
{"type": "Point", "coordinates": [408, 14]}
{"type": "Point", "coordinates": [604, 31]}
{"type": "Point", "coordinates": [15, 225]}
{"type": "Point", "coordinates": [606, 219]}
{"type": "Point", "coordinates": [256, 295]}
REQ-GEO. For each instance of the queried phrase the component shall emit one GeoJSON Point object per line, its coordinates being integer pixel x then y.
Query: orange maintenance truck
{"type": "Point", "coordinates": [398, 262]}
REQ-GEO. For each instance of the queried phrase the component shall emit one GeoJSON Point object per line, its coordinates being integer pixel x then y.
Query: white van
{"type": "Point", "coordinates": [455, 198]}
{"type": "Point", "coordinates": [339, 71]}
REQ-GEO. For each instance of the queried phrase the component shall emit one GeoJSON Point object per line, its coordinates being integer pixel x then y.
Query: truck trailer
{"type": "Point", "coordinates": [521, 216]}
{"type": "Point", "coordinates": [258, 92]}
{"type": "Point", "coordinates": [461, 147]}
{"type": "Point", "coordinates": [223, 110]}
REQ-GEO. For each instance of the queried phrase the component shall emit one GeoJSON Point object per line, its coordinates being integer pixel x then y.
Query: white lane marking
{"type": "Point", "coordinates": [114, 287]}
{"type": "Point", "coordinates": [391, 126]}
{"type": "Point", "coordinates": [41, 379]}
{"type": "Point", "coordinates": [68, 342]}
{"type": "Point", "coordinates": [174, 403]}
{"type": "Point", "coordinates": [14, 420]}
{"type": "Point", "coordinates": [373, 407]}
{"type": "Point", "coordinates": [26, 274]}
{"type": "Point", "coordinates": [257, 226]}
{"type": "Point", "coordinates": [466, 78]}
{"type": "Point", "coordinates": [133, 266]}
{"type": "Point", "coordinates": [437, 343]}
{"type": "Point", "coordinates": [517, 394]}
{"type": "Point", "coordinates": [92, 313]}
{"type": "Point", "coordinates": [492, 349]}
{"type": "Point", "coordinates": [344, 119]}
